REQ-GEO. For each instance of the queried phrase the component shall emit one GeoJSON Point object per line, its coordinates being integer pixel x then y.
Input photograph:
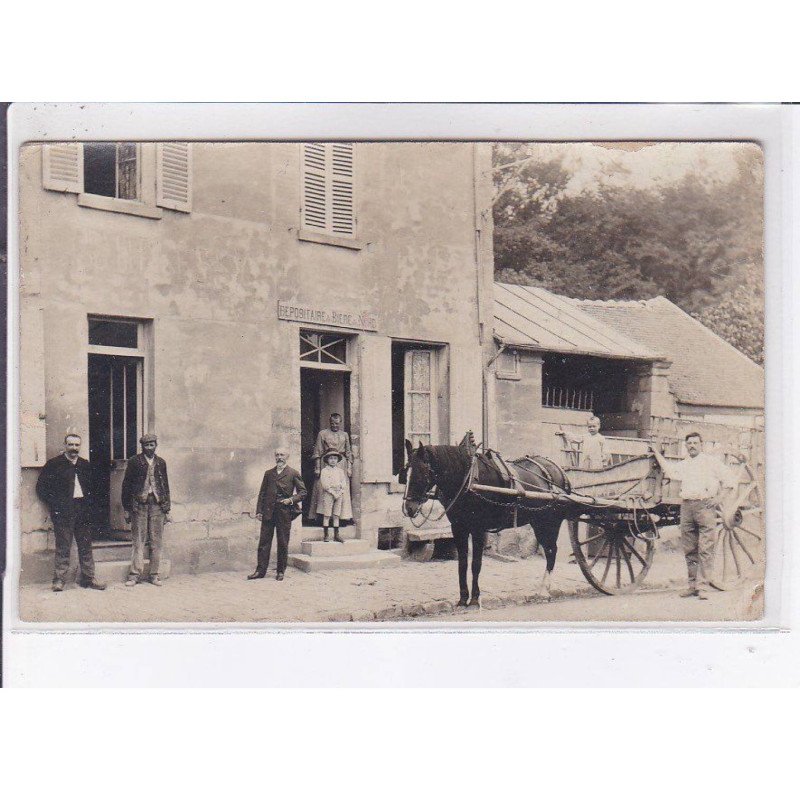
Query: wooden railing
{"type": "Point", "coordinates": [565, 397]}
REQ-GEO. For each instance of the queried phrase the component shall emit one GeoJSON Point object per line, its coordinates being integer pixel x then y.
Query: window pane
{"type": "Point", "coordinates": [420, 412]}
{"type": "Point", "coordinates": [100, 169]}
{"type": "Point", "coordinates": [127, 172]}
{"type": "Point", "coordinates": [113, 334]}
{"type": "Point", "coordinates": [421, 370]}
{"type": "Point", "coordinates": [334, 350]}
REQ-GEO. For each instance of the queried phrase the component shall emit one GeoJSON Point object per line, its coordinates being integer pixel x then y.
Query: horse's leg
{"type": "Point", "coordinates": [461, 539]}
{"type": "Point", "coordinates": [478, 543]}
{"type": "Point", "coordinates": [546, 532]}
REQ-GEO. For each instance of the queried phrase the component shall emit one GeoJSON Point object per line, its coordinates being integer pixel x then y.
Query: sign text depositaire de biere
{"type": "Point", "coordinates": [339, 318]}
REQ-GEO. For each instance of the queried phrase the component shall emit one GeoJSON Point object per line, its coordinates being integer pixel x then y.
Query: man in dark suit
{"type": "Point", "coordinates": [65, 487]}
{"type": "Point", "coordinates": [281, 491]}
{"type": "Point", "coordinates": [145, 498]}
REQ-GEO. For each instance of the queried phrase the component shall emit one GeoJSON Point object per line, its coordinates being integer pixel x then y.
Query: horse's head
{"type": "Point", "coordinates": [419, 478]}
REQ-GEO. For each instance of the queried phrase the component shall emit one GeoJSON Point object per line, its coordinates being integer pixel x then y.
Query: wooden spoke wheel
{"type": "Point", "coordinates": [739, 550]}
{"type": "Point", "coordinates": [610, 557]}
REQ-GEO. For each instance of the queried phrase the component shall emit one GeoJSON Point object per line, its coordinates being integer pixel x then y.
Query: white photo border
{"type": "Point", "coordinates": [436, 654]}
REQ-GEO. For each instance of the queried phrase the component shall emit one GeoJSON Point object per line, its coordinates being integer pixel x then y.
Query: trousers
{"type": "Point", "coordinates": [147, 525]}
{"type": "Point", "coordinates": [280, 523]}
{"type": "Point", "coordinates": [699, 539]}
{"type": "Point", "coordinates": [67, 526]}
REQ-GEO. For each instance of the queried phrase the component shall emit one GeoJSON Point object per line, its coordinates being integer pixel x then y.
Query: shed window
{"type": "Point", "coordinates": [586, 383]}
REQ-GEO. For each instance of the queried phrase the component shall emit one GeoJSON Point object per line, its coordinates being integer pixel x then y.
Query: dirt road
{"type": "Point", "coordinates": [643, 606]}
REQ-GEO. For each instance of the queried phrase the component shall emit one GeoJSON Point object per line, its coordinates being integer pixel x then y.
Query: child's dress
{"type": "Point", "coordinates": [334, 499]}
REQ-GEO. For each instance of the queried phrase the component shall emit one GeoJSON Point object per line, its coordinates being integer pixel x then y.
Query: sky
{"type": "Point", "coordinates": [641, 165]}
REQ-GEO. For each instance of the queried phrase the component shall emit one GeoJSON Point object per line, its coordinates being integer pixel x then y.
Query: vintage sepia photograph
{"type": "Point", "coordinates": [391, 383]}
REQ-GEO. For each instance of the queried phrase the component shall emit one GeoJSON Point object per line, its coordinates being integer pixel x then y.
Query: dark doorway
{"type": "Point", "coordinates": [115, 414]}
{"type": "Point", "coordinates": [322, 392]}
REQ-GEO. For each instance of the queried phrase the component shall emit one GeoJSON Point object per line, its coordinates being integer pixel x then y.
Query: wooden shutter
{"type": "Point", "coordinates": [315, 187]}
{"type": "Point", "coordinates": [62, 167]}
{"type": "Point", "coordinates": [376, 409]}
{"type": "Point", "coordinates": [420, 396]}
{"type": "Point", "coordinates": [342, 216]}
{"type": "Point", "coordinates": [174, 175]}
{"type": "Point", "coordinates": [327, 203]}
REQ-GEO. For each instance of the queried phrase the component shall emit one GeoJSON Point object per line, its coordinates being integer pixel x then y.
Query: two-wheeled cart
{"type": "Point", "coordinates": [614, 516]}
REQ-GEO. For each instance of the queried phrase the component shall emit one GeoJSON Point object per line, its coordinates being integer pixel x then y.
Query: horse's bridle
{"type": "Point", "coordinates": [433, 494]}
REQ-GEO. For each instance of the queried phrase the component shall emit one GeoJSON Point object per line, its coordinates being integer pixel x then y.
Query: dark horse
{"type": "Point", "coordinates": [447, 468]}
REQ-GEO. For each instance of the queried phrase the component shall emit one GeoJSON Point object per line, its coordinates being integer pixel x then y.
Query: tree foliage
{"type": "Point", "coordinates": [697, 241]}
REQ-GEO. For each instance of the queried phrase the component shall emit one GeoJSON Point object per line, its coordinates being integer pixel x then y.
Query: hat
{"type": "Point", "coordinates": [331, 452]}
{"type": "Point", "coordinates": [148, 437]}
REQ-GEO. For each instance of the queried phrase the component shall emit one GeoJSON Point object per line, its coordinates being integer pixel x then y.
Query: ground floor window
{"type": "Point", "coordinates": [416, 390]}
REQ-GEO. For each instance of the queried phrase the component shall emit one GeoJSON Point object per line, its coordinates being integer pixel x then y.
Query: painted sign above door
{"type": "Point", "coordinates": [336, 317]}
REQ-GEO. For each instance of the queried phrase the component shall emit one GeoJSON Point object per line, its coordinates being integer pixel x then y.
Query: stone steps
{"type": "Point", "coordinates": [350, 547]}
{"type": "Point", "coordinates": [343, 561]}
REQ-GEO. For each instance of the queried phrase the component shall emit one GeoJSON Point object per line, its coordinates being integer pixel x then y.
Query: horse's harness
{"type": "Point", "coordinates": [555, 479]}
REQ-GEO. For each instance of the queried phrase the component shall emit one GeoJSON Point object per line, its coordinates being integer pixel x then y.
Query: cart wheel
{"type": "Point", "coordinates": [740, 533]}
{"type": "Point", "coordinates": [611, 559]}
{"type": "Point", "coordinates": [420, 551]}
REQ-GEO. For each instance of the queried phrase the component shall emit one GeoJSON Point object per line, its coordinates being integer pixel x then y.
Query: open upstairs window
{"type": "Point", "coordinates": [137, 178]}
{"type": "Point", "coordinates": [111, 169]}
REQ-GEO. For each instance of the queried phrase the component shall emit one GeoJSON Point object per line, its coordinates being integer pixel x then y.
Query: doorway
{"type": "Point", "coordinates": [322, 392]}
{"type": "Point", "coordinates": [115, 425]}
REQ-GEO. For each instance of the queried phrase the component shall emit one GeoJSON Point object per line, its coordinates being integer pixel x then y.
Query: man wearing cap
{"type": "Point", "coordinates": [145, 498]}
{"type": "Point", "coordinates": [65, 486]}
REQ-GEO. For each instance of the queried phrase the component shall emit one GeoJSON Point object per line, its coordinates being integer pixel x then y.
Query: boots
{"type": "Point", "coordinates": [336, 537]}
{"type": "Point", "coordinates": [325, 538]}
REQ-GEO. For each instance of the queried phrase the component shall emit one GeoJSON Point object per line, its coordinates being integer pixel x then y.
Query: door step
{"type": "Point", "coordinates": [342, 560]}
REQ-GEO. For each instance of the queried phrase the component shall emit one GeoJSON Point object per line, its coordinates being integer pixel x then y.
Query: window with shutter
{"type": "Point", "coordinates": [113, 176]}
{"type": "Point", "coordinates": [328, 203]}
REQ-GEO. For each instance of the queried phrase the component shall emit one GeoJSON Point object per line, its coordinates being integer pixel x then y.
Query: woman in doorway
{"type": "Point", "coordinates": [334, 498]}
{"type": "Point", "coordinates": [330, 438]}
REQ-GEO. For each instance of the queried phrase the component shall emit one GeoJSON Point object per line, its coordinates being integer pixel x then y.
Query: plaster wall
{"type": "Point", "coordinates": [225, 370]}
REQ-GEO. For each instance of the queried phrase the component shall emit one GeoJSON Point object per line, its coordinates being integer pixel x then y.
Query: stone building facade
{"type": "Point", "coordinates": [229, 297]}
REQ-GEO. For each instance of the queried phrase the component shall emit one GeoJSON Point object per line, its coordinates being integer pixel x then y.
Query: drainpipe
{"type": "Point", "coordinates": [485, 390]}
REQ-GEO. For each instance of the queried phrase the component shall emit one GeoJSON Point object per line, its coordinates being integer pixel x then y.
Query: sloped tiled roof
{"type": "Point", "coordinates": [705, 371]}
{"type": "Point", "coordinates": [532, 317]}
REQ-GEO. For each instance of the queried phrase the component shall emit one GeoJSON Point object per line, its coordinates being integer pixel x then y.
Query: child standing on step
{"type": "Point", "coordinates": [334, 502]}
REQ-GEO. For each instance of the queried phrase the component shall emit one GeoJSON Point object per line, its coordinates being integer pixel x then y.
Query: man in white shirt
{"type": "Point", "coordinates": [704, 480]}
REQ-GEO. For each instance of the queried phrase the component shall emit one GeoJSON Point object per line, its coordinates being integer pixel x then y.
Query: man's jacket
{"type": "Point", "coordinates": [135, 477]}
{"type": "Point", "coordinates": [56, 483]}
{"type": "Point", "coordinates": [276, 487]}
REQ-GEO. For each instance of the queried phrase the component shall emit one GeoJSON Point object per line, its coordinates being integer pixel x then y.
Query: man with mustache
{"type": "Point", "coordinates": [282, 489]}
{"type": "Point", "coordinates": [65, 487]}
